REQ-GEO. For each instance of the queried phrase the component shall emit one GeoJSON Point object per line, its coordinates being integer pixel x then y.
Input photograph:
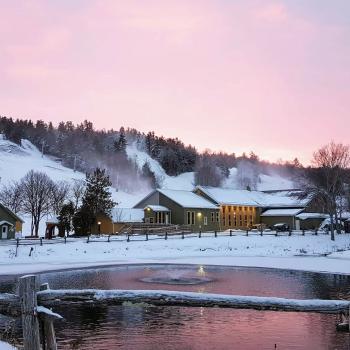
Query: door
{"type": "Point", "coordinates": [4, 232]}
{"type": "Point", "coordinates": [167, 218]}
{"type": "Point", "coordinates": [297, 225]}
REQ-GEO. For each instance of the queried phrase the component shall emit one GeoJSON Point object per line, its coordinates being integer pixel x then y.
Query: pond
{"type": "Point", "coordinates": [148, 327]}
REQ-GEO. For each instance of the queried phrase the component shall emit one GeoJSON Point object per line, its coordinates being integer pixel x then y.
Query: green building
{"type": "Point", "coordinates": [178, 207]}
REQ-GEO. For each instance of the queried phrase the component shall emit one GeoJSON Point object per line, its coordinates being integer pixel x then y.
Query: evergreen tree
{"type": "Point", "coordinates": [120, 143]}
{"type": "Point", "coordinates": [97, 196]}
{"type": "Point", "coordinates": [65, 217]}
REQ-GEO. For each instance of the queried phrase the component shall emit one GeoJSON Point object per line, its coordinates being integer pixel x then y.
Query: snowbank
{"type": "Point", "coordinates": [296, 252]}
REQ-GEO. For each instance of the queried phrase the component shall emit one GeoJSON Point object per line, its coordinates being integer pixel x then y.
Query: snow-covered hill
{"type": "Point", "coordinates": [185, 181]}
{"type": "Point", "coordinates": [16, 161]}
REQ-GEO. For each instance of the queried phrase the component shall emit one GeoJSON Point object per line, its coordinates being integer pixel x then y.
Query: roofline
{"type": "Point", "coordinates": [189, 207]}
{"type": "Point", "coordinates": [144, 198]}
{"type": "Point", "coordinates": [10, 212]}
{"type": "Point", "coordinates": [297, 213]}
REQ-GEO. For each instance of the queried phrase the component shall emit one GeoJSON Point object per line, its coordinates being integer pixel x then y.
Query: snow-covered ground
{"type": "Point", "coordinates": [295, 252]}
{"type": "Point", "coordinates": [6, 346]}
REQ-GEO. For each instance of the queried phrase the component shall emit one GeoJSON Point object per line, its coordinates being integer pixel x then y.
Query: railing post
{"type": "Point", "coordinates": [200, 234]}
{"type": "Point", "coordinates": [65, 239]}
{"type": "Point", "coordinates": [30, 323]}
{"type": "Point", "coordinates": [183, 235]}
{"type": "Point", "coordinates": [230, 233]}
{"type": "Point", "coordinates": [146, 236]}
{"type": "Point", "coordinates": [88, 239]}
{"type": "Point", "coordinates": [128, 238]}
{"type": "Point", "coordinates": [316, 232]}
{"type": "Point", "coordinates": [41, 241]}
{"type": "Point", "coordinates": [303, 232]}
{"type": "Point", "coordinates": [166, 235]}
{"type": "Point", "coordinates": [247, 233]}
{"type": "Point", "coordinates": [109, 238]}
{"type": "Point", "coordinates": [215, 233]}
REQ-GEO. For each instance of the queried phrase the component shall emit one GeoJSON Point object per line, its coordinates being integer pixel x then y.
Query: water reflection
{"type": "Point", "coordinates": [147, 327]}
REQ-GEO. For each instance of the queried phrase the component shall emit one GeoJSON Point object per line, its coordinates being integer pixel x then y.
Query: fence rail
{"type": "Point", "coordinates": [146, 236]}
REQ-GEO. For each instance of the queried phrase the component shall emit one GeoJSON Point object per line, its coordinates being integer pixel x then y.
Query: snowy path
{"type": "Point", "coordinates": [298, 253]}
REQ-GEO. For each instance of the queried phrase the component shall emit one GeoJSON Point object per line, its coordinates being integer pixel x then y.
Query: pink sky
{"type": "Point", "coordinates": [268, 76]}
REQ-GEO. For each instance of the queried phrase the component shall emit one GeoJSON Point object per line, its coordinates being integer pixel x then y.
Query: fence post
{"type": "Point", "coordinates": [316, 232]}
{"type": "Point", "coordinates": [200, 234]}
{"type": "Point", "coordinates": [65, 239]}
{"type": "Point", "coordinates": [30, 323]}
{"type": "Point", "coordinates": [230, 233]}
{"type": "Point", "coordinates": [290, 233]}
{"type": "Point", "coordinates": [41, 241]}
{"type": "Point", "coordinates": [146, 236]}
{"type": "Point", "coordinates": [247, 233]}
{"type": "Point", "coordinates": [109, 238]}
{"type": "Point", "coordinates": [88, 239]}
{"type": "Point", "coordinates": [166, 235]}
{"type": "Point", "coordinates": [183, 235]}
{"type": "Point", "coordinates": [128, 238]}
{"type": "Point", "coordinates": [215, 233]}
{"type": "Point", "coordinates": [303, 232]}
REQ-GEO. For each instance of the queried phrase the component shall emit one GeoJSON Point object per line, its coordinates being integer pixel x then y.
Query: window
{"type": "Point", "coordinates": [229, 220]}
{"type": "Point", "coordinates": [190, 218]}
{"type": "Point", "coordinates": [229, 208]}
{"type": "Point", "coordinates": [205, 221]}
{"type": "Point", "coordinates": [217, 216]}
{"type": "Point", "coordinates": [212, 216]}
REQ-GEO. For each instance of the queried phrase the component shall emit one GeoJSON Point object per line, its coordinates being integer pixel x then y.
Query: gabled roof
{"type": "Point", "coordinates": [187, 199]}
{"type": "Point", "coordinates": [281, 212]}
{"type": "Point", "coordinates": [157, 208]}
{"type": "Point", "coordinates": [127, 215]}
{"type": "Point", "coordinates": [5, 222]}
{"type": "Point", "coordinates": [11, 213]}
{"type": "Point", "coordinates": [280, 199]}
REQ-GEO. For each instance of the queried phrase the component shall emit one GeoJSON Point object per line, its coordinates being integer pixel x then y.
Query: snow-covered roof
{"type": "Point", "coordinates": [157, 207]}
{"type": "Point", "coordinates": [253, 198]}
{"type": "Point", "coordinates": [187, 199]}
{"type": "Point", "coordinates": [281, 212]}
{"type": "Point", "coordinates": [305, 216]}
{"type": "Point", "coordinates": [5, 222]}
{"type": "Point", "coordinates": [127, 215]}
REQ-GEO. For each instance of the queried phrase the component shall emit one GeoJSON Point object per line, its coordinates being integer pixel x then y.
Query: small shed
{"type": "Point", "coordinates": [311, 221]}
{"type": "Point", "coordinates": [10, 223]}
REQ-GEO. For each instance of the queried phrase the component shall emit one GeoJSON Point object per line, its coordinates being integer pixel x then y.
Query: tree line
{"type": "Point", "coordinates": [82, 147]}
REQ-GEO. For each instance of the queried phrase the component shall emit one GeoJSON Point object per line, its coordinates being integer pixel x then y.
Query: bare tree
{"type": "Point", "coordinates": [78, 190]}
{"type": "Point", "coordinates": [37, 190]}
{"type": "Point", "coordinates": [60, 193]}
{"type": "Point", "coordinates": [10, 197]}
{"type": "Point", "coordinates": [326, 180]}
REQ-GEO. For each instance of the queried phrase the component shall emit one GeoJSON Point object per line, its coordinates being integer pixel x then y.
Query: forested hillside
{"type": "Point", "coordinates": [82, 147]}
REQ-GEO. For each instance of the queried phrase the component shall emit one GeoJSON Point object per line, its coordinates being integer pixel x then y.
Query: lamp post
{"type": "Point", "coordinates": [99, 227]}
